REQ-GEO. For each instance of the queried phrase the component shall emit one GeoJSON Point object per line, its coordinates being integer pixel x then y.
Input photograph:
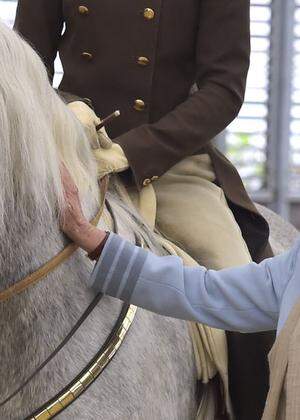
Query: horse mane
{"type": "Point", "coordinates": [37, 132]}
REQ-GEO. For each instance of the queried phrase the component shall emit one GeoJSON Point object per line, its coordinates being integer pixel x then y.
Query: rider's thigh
{"type": "Point", "coordinates": [192, 211]}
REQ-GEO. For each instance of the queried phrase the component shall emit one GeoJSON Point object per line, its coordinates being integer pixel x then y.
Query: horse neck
{"type": "Point", "coordinates": [33, 323]}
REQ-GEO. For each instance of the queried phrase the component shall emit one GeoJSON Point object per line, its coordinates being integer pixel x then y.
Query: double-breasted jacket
{"type": "Point", "coordinates": [143, 57]}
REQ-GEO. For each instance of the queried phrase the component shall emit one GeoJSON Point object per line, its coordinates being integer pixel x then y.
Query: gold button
{"type": "Point", "coordinates": [146, 182]}
{"type": "Point", "coordinates": [154, 178]}
{"type": "Point", "coordinates": [149, 13]}
{"type": "Point", "coordinates": [87, 56]}
{"type": "Point", "coordinates": [143, 61]}
{"type": "Point", "coordinates": [139, 105]}
{"type": "Point", "coordinates": [83, 10]}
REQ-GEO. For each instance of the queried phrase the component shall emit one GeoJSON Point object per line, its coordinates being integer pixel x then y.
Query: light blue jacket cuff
{"type": "Point", "coordinates": [118, 268]}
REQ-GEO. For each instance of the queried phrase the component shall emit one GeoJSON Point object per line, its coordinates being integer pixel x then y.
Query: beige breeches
{"type": "Point", "coordinates": [192, 212]}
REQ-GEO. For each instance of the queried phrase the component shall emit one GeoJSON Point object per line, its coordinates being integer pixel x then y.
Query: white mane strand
{"type": "Point", "coordinates": [37, 132]}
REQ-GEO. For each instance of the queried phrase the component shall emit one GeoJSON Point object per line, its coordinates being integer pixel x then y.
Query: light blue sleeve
{"type": "Point", "coordinates": [245, 299]}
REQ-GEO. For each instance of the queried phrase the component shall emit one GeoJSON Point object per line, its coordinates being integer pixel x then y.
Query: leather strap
{"type": "Point", "coordinates": [56, 261]}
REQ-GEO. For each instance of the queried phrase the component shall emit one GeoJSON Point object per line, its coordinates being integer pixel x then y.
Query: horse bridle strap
{"type": "Point", "coordinates": [56, 261]}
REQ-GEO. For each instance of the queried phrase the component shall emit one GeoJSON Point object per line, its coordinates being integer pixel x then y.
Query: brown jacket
{"type": "Point", "coordinates": [143, 57]}
{"type": "Point", "coordinates": [155, 51]}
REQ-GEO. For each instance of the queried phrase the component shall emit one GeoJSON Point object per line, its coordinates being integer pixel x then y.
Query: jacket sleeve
{"type": "Point", "coordinates": [223, 50]}
{"type": "Point", "coordinates": [40, 23]}
{"type": "Point", "coordinates": [245, 299]}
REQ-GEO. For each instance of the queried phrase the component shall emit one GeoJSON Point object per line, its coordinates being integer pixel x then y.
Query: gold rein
{"type": "Point", "coordinates": [56, 261]}
{"type": "Point", "coordinates": [90, 374]}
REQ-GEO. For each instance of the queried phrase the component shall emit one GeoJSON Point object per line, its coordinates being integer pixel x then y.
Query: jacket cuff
{"type": "Point", "coordinates": [94, 255]}
{"type": "Point", "coordinates": [118, 268]}
{"type": "Point", "coordinates": [138, 143]}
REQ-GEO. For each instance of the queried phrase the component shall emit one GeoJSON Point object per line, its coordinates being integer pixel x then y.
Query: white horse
{"type": "Point", "coordinates": [153, 375]}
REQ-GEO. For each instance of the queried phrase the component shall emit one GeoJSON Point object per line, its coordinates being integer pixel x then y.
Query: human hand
{"type": "Point", "coordinates": [72, 220]}
{"type": "Point", "coordinates": [88, 118]}
{"type": "Point", "coordinates": [111, 160]}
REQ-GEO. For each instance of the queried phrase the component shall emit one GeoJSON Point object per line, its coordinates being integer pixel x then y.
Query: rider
{"type": "Point", "coordinates": [144, 58]}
